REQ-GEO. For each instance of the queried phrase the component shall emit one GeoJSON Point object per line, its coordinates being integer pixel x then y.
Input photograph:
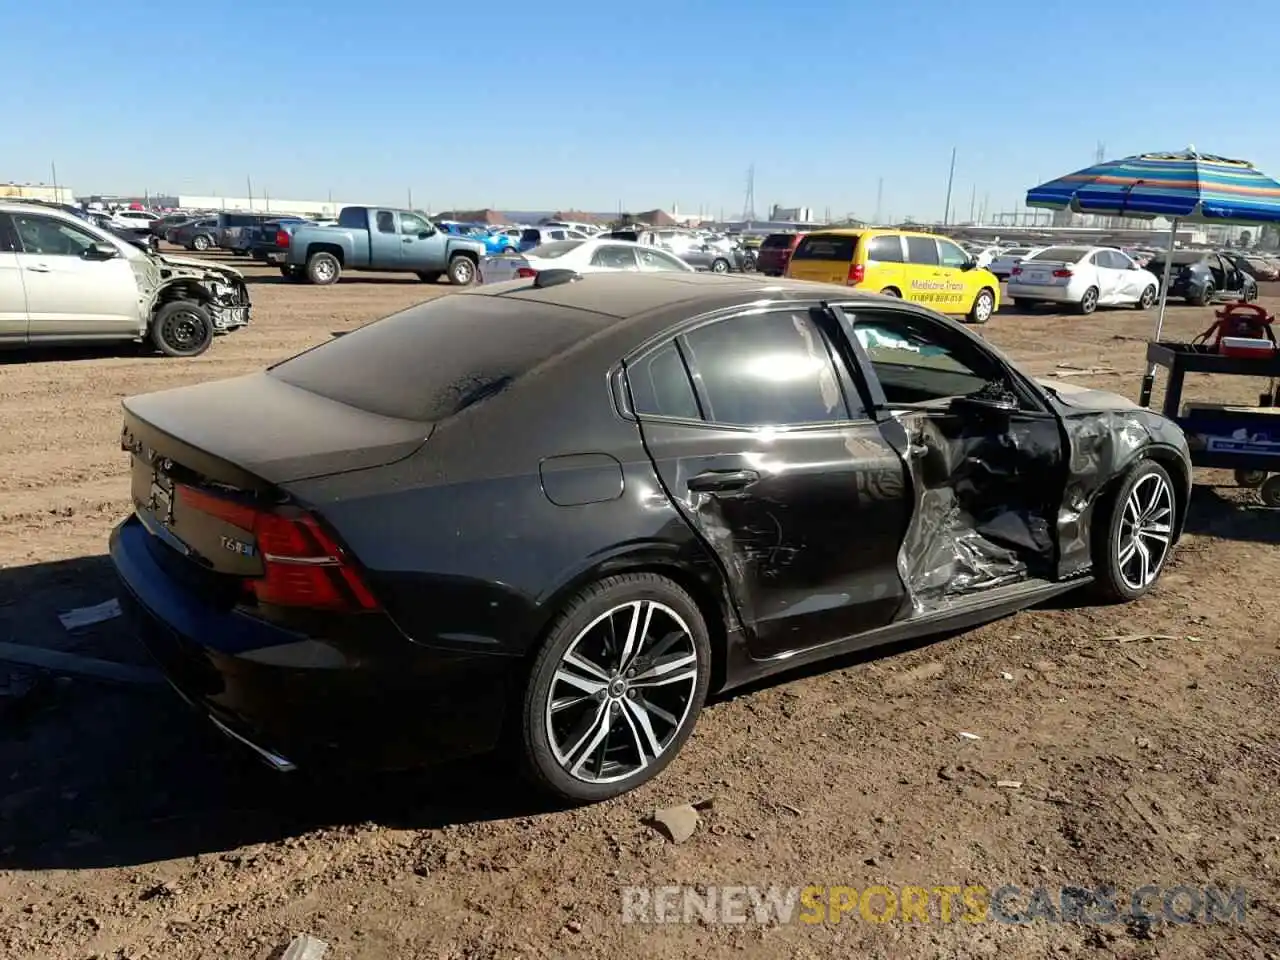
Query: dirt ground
{"type": "Point", "coordinates": [129, 829]}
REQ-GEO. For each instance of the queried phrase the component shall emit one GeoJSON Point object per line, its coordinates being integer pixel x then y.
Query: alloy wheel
{"type": "Point", "coordinates": [621, 692]}
{"type": "Point", "coordinates": [1145, 531]}
{"type": "Point", "coordinates": [1148, 297]}
{"type": "Point", "coordinates": [1089, 301]}
{"type": "Point", "coordinates": [323, 270]}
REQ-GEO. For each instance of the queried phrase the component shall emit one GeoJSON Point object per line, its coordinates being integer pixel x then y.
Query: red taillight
{"type": "Point", "coordinates": [302, 566]}
{"type": "Point", "coordinates": [1015, 271]}
{"type": "Point", "coordinates": [526, 273]}
{"type": "Point", "coordinates": [1062, 274]}
{"type": "Point", "coordinates": [857, 273]}
{"type": "Point", "coordinates": [282, 238]}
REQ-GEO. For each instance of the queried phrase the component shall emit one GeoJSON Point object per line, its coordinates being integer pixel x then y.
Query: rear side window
{"type": "Point", "coordinates": [777, 241]}
{"type": "Point", "coordinates": [434, 360]}
{"type": "Point", "coordinates": [531, 236]}
{"type": "Point", "coordinates": [922, 250]}
{"type": "Point", "coordinates": [660, 386]}
{"type": "Point", "coordinates": [885, 249]}
{"type": "Point", "coordinates": [826, 247]}
{"type": "Point", "coordinates": [766, 369]}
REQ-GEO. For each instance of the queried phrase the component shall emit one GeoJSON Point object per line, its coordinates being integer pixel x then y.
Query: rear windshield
{"type": "Point", "coordinates": [433, 360]}
{"type": "Point", "coordinates": [826, 247]}
{"type": "Point", "coordinates": [534, 235]}
{"type": "Point", "coordinates": [1061, 254]}
{"type": "Point", "coordinates": [777, 240]}
{"type": "Point", "coordinates": [1016, 252]}
{"type": "Point", "coordinates": [1181, 257]}
{"type": "Point", "coordinates": [557, 248]}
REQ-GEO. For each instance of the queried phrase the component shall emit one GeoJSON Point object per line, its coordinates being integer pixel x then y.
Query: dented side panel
{"type": "Point", "coordinates": [809, 549]}
{"type": "Point", "coordinates": [986, 496]}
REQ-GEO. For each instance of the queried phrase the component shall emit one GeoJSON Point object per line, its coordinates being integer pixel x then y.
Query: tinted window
{"type": "Point", "coordinates": [922, 250]}
{"type": "Point", "coordinates": [1061, 254]}
{"type": "Point", "coordinates": [612, 257]}
{"type": "Point", "coordinates": [885, 249]}
{"type": "Point", "coordinates": [437, 358]}
{"type": "Point", "coordinates": [530, 236]}
{"type": "Point", "coordinates": [949, 255]}
{"type": "Point", "coordinates": [766, 369]}
{"type": "Point", "coordinates": [386, 221]}
{"type": "Point", "coordinates": [777, 241]}
{"type": "Point", "coordinates": [660, 386]}
{"type": "Point", "coordinates": [354, 217]}
{"type": "Point", "coordinates": [819, 246]}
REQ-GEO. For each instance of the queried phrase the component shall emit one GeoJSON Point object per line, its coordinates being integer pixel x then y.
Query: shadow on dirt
{"type": "Point", "coordinates": [118, 349]}
{"type": "Point", "coordinates": [401, 280]}
{"type": "Point", "coordinates": [96, 775]}
{"type": "Point", "coordinates": [1213, 514]}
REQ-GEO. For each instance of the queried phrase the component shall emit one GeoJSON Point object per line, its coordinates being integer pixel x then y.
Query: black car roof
{"type": "Point", "coordinates": [623, 295]}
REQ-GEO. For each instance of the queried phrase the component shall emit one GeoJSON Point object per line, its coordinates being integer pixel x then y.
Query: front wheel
{"type": "Point", "coordinates": [719, 265]}
{"type": "Point", "coordinates": [201, 243]}
{"type": "Point", "coordinates": [182, 328]}
{"type": "Point", "coordinates": [1089, 302]}
{"type": "Point", "coordinates": [462, 271]}
{"type": "Point", "coordinates": [1147, 299]}
{"type": "Point", "coordinates": [1204, 297]}
{"type": "Point", "coordinates": [1250, 293]}
{"type": "Point", "coordinates": [984, 304]}
{"type": "Point", "coordinates": [1133, 534]}
{"type": "Point", "coordinates": [616, 689]}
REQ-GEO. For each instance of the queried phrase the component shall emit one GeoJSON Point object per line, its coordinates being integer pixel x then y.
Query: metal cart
{"type": "Point", "coordinates": [1227, 436]}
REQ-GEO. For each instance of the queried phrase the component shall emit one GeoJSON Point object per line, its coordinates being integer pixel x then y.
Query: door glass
{"type": "Point", "coordinates": [949, 255]}
{"type": "Point", "coordinates": [386, 221]}
{"type": "Point", "coordinates": [922, 250]}
{"type": "Point", "coordinates": [660, 386]}
{"type": "Point", "coordinates": [610, 257]}
{"type": "Point", "coordinates": [52, 238]}
{"type": "Point", "coordinates": [411, 224]}
{"type": "Point", "coordinates": [653, 260]}
{"type": "Point", "coordinates": [914, 364]}
{"type": "Point", "coordinates": [766, 369]}
{"type": "Point", "coordinates": [885, 249]}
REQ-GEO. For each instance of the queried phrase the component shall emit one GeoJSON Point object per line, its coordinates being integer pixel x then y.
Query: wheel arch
{"type": "Point", "coordinates": [332, 248]}
{"type": "Point", "coordinates": [698, 577]}
{"type": "Point", "coordinates": [1173, 463]}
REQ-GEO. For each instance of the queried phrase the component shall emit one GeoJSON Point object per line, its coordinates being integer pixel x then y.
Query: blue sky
{"type": "Point", "coordinates": [595, 104]}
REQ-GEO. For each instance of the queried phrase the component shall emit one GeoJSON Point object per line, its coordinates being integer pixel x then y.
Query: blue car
{"type": "Point", "coordinates": [495, 243]}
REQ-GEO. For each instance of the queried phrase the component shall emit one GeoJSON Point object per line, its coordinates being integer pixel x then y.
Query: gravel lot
{"type": "Point", "coordinates": [129, 829]}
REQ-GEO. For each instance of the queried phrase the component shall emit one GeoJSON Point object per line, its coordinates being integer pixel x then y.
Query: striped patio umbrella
{"type": "Point", "coordinates": [1182, 187]}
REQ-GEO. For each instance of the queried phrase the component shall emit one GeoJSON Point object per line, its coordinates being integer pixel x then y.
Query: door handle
{"type": "Point", "coordinates": [38, 268]}
{"type": "Point", "coordinates": [407, 240]}
{"type": "Point", "coordinates": [717, 481]}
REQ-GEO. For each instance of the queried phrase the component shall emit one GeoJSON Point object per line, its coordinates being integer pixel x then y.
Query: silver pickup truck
{"type": "Point", "coordinates": [381, 239]}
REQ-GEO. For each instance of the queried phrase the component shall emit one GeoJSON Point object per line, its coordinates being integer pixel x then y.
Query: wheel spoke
{"type": "Point", "coordinates": [673, 670]}
{"type": "Point", "coordinates": [646, 744]}
{"type": "Point", "coordinates": [637, 630]}
{"type": "Point", "coordinates": [586, 667]}
{"type": "Point", "coordinates": [1127, 553]}
{"type": "Point", "coordinates": [1144, 562]}
{"type": "Point", "coordinates": [593, 739]}
{"type": "Point", "coordinates": [654, 710]}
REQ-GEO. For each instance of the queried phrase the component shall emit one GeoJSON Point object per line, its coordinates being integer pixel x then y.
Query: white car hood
{"type": "Point", "coordinates": [1087, 398]}
{"type": "Point", "coordinates": [194, 264]}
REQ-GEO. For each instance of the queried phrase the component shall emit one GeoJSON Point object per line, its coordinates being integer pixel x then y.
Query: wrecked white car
{"type": "Point", "coordinates": [65, 281]}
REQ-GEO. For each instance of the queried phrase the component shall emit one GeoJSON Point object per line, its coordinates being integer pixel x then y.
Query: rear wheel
{"type": "Point", "coordinates": [1204, 297]}
{"type": "Point", "coordinates": [719, 265]}
{"type": "Point", "coordinates": [1133, 534]}
{"type": "Point", "coordinates": [892, 292]}
{"type": "Point", "coordinates": [323, 269]}
{"type": "Point", "coordinates": [1089, 302]}
{"type": "Point", "coordinates": [462, 271]}
{"type": "Point", "coordinates": [984, 304]}
{"type": "Point", "coordinates": [200, 242]}
{"type": "Point", "coordinates": [1251, 478]}
{"type": "Point", "coordinates": [182, 328]}
{"type": "Point", "coordinates": [1147, 299]}
{"type": "Point", "coordinates": [616, 689]}
{"type": "Point", "coordinates": [429, 276]}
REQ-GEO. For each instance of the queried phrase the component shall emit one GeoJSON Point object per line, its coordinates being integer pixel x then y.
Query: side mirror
{"type": "Point", "coordinates": [970, 264]}
{"type": "Point", "coordinates": [426, 233]}
{"type": "Point", "coordinates": [100, 251]}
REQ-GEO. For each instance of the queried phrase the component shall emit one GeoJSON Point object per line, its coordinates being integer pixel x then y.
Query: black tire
{"type": "Point", "coordinates": [1147, 299]}
{"type": "Point", "coordinates": [984, 305]}
{"type": "Point", "coordinates": [182, 328]}
{"type": "Point", "coordinates": [1204, 297]}
{"type": "Point", "coordinates": [1269, 492]}
{"type": "Point", "coordinates": [323, 269]}
{"type": "Point", "coordinates": [720, 265]}
{"type": "Point", "coordinates": [1112, 522]}
{"type": "Point", "coordinates": [201, 243]}
{"type": "Point", "coordinates": [590, 605]}
{"type": "Point", "coordinates": [891, 292]}
{"type": "Point", "coordinates": [1252, 479]}
{"type": "Point", "coordinates": [430, 276]}
{"type": "Point", "coordinates": [1250, 293]}
{"type": "Point", "coordinates": [291, 272]}
{"type": "Point", "coordinates": [1089, 302]}
{"type": "Point", "coordinates": [1022, 303]}
{"type": "Point", "coordinates": [462, 270]}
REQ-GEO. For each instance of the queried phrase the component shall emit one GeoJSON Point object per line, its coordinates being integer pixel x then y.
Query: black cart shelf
{"type": "Point", "coordinates": [1226, 436]}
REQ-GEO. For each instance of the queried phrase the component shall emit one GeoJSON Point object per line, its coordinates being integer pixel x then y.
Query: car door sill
{"type": "Point", "coordinates": [959, 614]}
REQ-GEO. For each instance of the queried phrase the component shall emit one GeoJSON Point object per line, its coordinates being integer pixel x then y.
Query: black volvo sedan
{"type": "Point", "coordinates": [565, 509]}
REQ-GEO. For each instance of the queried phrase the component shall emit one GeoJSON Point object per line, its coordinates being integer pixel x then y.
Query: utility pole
{"type": "Point", "coordinates": [249, 187]}
{"type": "Point", "coordinates": [53, 169]}
{"type": "Point", "coordinates": [946, 212]}
{"type": "Point", "coordinates": [879, 200]}
{"type": "Point", "coordinates": [410, 198]}
{"type": "Point", "coordinates": [973, 199]}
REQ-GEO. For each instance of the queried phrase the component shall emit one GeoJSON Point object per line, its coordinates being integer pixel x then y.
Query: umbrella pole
{"type": "Point", "coordinates": [1149, 381]}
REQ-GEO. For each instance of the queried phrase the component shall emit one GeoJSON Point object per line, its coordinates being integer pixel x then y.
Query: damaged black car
{"type": "Point", "coordinates": [559, 512]}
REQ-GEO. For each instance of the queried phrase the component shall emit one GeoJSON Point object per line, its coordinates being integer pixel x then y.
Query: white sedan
{"type": "Point", "coordinates": [1086, 277]}
{"type": "Point", "coordinates": [1003, 261]}
{"type": "Point", "coordinates": [584, 256]}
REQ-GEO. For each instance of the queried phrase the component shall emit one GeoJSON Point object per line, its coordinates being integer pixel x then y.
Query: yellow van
{"type": "Point", "coordinates": [920, 267]}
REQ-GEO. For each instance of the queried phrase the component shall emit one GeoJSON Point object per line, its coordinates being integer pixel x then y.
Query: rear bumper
{"type": "Point", "coordinates": [308, 701]}
{"type": "Point", "coordinates": [1026, 291]}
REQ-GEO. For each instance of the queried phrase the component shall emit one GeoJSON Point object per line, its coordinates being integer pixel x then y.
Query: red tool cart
{"type": "Point", "coordinates": [1245, 439]}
